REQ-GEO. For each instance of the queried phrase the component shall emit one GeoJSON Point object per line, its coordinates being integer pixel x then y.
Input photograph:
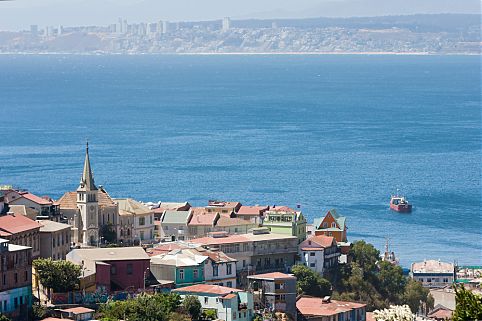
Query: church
{"type": "Point", "coordinates": [89, 210]}
{"type": "Point", "coordinates": [98, 219]}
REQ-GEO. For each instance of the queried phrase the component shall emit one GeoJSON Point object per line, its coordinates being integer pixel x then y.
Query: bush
{"type": "Point", "coordinates": [192, 306]}
{"type": "Point", "coordinates": [310, 282]}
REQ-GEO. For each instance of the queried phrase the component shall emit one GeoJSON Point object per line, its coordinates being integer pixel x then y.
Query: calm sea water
{"type": "Point", "coordinates": [323, 131]}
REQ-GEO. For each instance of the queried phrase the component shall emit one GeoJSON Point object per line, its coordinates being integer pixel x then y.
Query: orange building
{"type": "Point", "coordinates": [332, 224]}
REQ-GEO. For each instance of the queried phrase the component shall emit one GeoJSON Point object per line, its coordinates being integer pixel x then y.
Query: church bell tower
{"type": "Point", "coordinates": [87, 202]}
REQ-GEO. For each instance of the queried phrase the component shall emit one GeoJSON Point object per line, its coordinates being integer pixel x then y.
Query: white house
{"type": "Point", "coordinates": [142, 219]}
{"type": "Point", "coordinates": [219, 269]}
{"type": "Point", "coordinates": [229, 303]}
{"type": "Point", "coordinates": [433, 274]}
{"type": "Point", "coordinates": [319, 253]}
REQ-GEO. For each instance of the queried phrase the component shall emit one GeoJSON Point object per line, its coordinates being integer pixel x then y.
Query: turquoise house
{"type": "Point", "coordinates": [178, 266]}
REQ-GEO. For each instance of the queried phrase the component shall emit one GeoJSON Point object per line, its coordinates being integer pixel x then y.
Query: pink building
{"type": "Point", "coordinates": [115, 269]}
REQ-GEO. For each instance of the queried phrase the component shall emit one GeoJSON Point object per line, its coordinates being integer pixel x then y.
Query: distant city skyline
{"type": "Point", "coordinates": [20, 14]}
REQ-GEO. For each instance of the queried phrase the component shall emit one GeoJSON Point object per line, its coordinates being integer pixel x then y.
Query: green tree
{"type": "Point", "coordinates": [157, 307]}
{"type": "Point", "coordinates": [107, 231]}
{"type": "Point", "coordinates": [60, 276]}
{"type": "Point", "coordinates": [209, 314]}
{"type": "Point", "coordinates": [3, 317]}
{"type": "Point", "coordinates": [310, 282]}
{"type": "Point", "coordinates": [357, 288]}
{"type": "Point", "coordinates": [392, 282]}
{"type": "Point", "coordinates": [365, 255]}
{"type": "Point", "coordinates": [468, 305]}
{"type": "Point", "coordinates": [38, 312]}
{"type": "Point", "coordinates": [192, 306]}
{"type": "Point", "coordinates": [415, 294]}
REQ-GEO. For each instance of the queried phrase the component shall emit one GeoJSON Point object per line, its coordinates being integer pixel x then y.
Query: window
{"type": "Point", "coordinates": [181, 274]}
{"type": "Point", "coordinates": [4, 279]}
{"type": "Point", "coordinates": [129, 269]}
{"type": "Point", "coordinates": [229, 284]}
{"type": "Point", "coordinates": [15, 303]}
{"type": "Point", "coordinates": [244, 263]}
{"type": "Point", "coordinates": [312, 265]}
{"type": "Point", "coordinates": [446, 280]}
{"type": "Point", "coordinates": [312, 253]}
{"type": "Point", "coordinates": [142, 221]}
{"type": "Point", "coordinates": [16, 277]}
{"type": "Point", "coordinates": [113, 270]}
{"type": "Point", "coordinates": [205, 300]}
{"type": "Point", "coordinates": [229, 269]}
{"type": "Point", "coordinates": [195, 273]}
{"type": "Point", "coordinates": [333, 224]}
{"type": "Point", "coordinates": [215, 270]}
{"type": "Point", "coordinates": [142, 235]}
{"type": "Point", "coordinates": [53, 241]}
{"type": "Point", "coordinates": [325, 225]}
{"type": "Point", "coordinates": [26, 276]}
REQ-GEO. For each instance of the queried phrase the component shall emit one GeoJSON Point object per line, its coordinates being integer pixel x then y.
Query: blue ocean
{"type": "Point", "coordinates": [324, 132]}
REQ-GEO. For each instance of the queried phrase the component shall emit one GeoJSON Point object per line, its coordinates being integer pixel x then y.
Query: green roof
{"type": "Point", "coordinates": [317, 222]}
{"type": "Point", "coordinates": [176, 217]}
{"type": "Point", "coordinates": [341, 220]}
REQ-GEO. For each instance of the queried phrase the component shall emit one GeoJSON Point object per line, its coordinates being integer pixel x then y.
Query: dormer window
{"type": "Point", "coordinates": [333, 224]}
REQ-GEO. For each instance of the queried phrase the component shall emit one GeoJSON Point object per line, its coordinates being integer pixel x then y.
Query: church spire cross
{"type": "Point", "coordinates": [87, 179]}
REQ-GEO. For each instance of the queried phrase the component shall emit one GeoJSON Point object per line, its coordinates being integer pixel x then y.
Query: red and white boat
{"type": "Point", "coordinates": [400, 204]}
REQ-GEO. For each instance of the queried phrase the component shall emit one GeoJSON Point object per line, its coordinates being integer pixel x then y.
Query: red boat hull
{"type": "Point", "coordinates": [404, 208]}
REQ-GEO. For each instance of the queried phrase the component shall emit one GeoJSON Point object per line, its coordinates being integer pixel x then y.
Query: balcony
{"type": "Point", "coordinates": [270, 268]}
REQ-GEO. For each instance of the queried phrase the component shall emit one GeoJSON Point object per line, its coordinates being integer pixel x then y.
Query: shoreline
{"type": "Point", "coordinates": [296, 53]}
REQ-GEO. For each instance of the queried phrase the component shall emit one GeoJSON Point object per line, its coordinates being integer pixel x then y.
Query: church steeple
{"type": "Point", "coordinates": [87, 180]}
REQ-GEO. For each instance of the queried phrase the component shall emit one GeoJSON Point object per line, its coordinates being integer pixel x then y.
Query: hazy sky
{"type": "Point", "coordinates": [18, 14]}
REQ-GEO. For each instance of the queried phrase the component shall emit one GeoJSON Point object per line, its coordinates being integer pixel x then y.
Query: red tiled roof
{"type": "Point", "coordinates": [217, 256]}
{"type": "Point", "coordinates": [36, 199]}
{"type": "Point", "coordinates": [158, 210]}
{"type": "Point", "coordinates": [69, 200]}
{"type": "Point", "coordinates": [17, 224]}
{"type": "Point", "coordinates": [207, 288]}
{"type": "Point", "coordinates": [78, 310]}
{"type": "Point", "coordinates": [316, 307]}
{"type": "Point", "coordinates": [442, 313]}
{"type": "Point", "coordinates": [4, 234]}
{"type": "Point", "coordinates": [228, 221]}
{"type": "Point", "coordinates": [164, 248]}
{"type": "Point", "coordinates": [318, 241]}
{"type": "Point", "coordinates": [370, 316]}
{"type": "Point", "coordinates": [203, 218]}
{"type": "Point", "coordinates": [54, 319]}
{"type": "Point", "coordinates": [282, 209]}
{"type": "Point", "coordinates": [273, 275]}
{"type": "Point", "coordinates": [229, 296]}
{"type": "Point", "coordinates": [252, 210]}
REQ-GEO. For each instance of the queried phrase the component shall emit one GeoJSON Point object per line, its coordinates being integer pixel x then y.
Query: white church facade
{"type": "Point", "coordinates": [95, 217]}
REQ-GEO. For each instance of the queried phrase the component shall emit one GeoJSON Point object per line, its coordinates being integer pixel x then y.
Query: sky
{"type": "Point", "coordinates": [20, 14]}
